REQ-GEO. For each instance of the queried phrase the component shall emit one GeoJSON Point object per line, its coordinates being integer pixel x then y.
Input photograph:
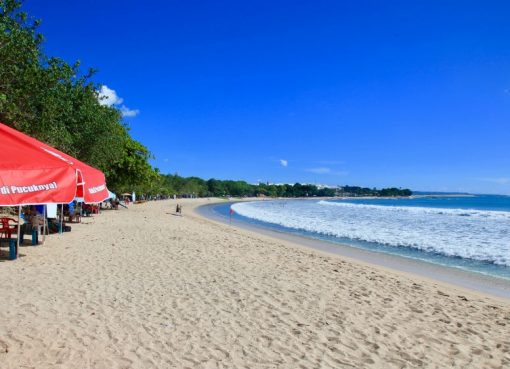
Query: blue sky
{"type": "Point", "coordinates": [375, 93]}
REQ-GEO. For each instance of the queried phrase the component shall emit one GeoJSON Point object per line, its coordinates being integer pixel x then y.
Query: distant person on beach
{"type": "Point", "coordinates": [178, 209]}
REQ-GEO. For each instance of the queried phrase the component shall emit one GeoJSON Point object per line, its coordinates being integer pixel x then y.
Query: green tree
{"type": "Point", "coordinates": [55, 102]}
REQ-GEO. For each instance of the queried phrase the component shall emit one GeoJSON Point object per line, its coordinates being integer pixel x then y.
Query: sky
{"type": "Point", "coordinates": [412, 94]}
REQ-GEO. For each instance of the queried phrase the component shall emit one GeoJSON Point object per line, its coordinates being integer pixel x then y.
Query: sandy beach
{"type": "Point", "coordinates": [144, 288]}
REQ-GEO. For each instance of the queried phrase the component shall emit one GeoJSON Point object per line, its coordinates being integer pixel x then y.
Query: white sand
{"type": "Point", "coordinates": [142, 288]}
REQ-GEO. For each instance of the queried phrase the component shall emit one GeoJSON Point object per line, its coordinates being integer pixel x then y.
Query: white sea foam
{"type": "Point", "coordinates": [471, 234]}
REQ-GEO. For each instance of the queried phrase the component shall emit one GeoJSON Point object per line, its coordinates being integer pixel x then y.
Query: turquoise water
{"type": "Point", "coordinates": [471, 233]}
{"type": "Point", "coordinates": [482, 202]}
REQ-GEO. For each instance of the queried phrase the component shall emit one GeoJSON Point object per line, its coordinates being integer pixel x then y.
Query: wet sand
{"type": "Point", "coordinates": [471, 281]}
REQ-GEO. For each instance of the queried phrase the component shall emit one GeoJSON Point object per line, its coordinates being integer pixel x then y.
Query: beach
{"type": "Point", "coordinates": [145, 288]}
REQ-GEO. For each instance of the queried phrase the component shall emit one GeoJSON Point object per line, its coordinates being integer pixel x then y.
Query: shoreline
{"type": "Point", "coordinates": [469, 281]}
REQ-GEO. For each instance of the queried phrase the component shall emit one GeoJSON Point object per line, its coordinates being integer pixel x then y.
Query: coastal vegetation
{"type": "Point", "coordinates": [59, 103]}
{"type": "Point", "coordinates": [365, 191]}
{"type": "Point", "coordinates": [169, 185]}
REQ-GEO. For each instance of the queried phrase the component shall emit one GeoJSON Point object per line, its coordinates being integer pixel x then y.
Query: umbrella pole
{"type": "Point", "coordinates": [44, 225]}
{"type": "Point", "coordinates": [61, 219]}
{"type": "Point", "coordinates": [19, 231]}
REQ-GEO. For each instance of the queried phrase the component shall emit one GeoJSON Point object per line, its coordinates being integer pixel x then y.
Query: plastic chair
{"type": "Point", "coordinates": [7, 228]}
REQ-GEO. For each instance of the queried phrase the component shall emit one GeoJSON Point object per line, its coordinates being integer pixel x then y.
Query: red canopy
{"type": "Point", "coordinates": [32, 172]}
{"type": "Point", "coordinates": [91, 181]}
{"type": "Point", "coordinates": [28, 175]}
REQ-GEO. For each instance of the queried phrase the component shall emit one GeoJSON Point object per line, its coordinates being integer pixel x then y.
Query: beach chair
{"type": "Point", "coordinates": [6, 228]}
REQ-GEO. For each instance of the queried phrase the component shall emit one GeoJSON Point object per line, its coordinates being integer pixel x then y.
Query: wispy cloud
{"type": "Point", "coordinates": [500, 180]}
{"type": "Point", "coordinates": [284, 162]}
{"type": "Point", "coordinates": [326, 170]}
{"type": "Point", "coordinates": [109, 97]}
{"type": "Point", "coordinates": [320, 170]}
{"type": "Point", "coordinates": [330, 162]}
{"type": "Point", "coordinates": [126, 112]}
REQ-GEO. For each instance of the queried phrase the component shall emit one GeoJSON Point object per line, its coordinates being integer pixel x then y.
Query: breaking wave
{"type": "Point", "coordinates": [481, 235]}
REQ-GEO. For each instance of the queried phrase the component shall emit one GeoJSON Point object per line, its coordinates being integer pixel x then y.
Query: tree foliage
{"type": "Point", "coordinates": [57, 103]}
{"type": "Point", "coordinates": [365, 191]}
{"type": "Point", "coordinates": [174, 184]}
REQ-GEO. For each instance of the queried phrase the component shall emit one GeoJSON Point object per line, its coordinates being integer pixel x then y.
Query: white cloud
{"type": "Point", "coordinates": [501, 180]}
{"type": "Point", "coordinates": [320, 170]}
{"type": "Point", "coordinates": [109, 97]}
{"type": "Point", "coordinates": [325, 170]}
{"type": "Point", "coordinates": [331, 162]}
{"type": "Point", "coordinates": [126, 112]}
{"type": "Point", "coordinates": [284, 162]}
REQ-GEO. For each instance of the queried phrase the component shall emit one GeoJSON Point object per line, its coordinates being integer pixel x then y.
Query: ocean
{"type": "Point", "coordinates": [471, 233]}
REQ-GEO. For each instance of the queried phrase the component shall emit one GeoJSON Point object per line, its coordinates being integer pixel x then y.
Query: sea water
{"type": "Point", "coordinates": [471, 233]}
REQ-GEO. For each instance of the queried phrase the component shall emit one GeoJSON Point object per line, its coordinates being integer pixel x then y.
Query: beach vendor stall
{"type": "Point", "coordinates": [91, 183]}
{"type": "Point", "coordinates": [34, 173]}
{"type": "Point", "coordinates": [30, 176]}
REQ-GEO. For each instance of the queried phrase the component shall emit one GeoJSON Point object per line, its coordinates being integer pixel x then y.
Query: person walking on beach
{"type": "Point", "coordinates": [178, 209]}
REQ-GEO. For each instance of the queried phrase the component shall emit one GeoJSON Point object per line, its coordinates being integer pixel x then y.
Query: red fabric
{"type": "Point", "coordinates": [91, 181]}
{"type": "Point", "coordinates": [28, 175]}
{"type": "Point", "coordinates": [32, 172]}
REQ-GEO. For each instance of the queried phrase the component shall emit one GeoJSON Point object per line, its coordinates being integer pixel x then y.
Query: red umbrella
{"type": "Point", "coordinates": [89, 183]}
{"type": "Point", "coordinates": [32, 172]}
{"type": "Point", "coordinates": [28, 175]}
